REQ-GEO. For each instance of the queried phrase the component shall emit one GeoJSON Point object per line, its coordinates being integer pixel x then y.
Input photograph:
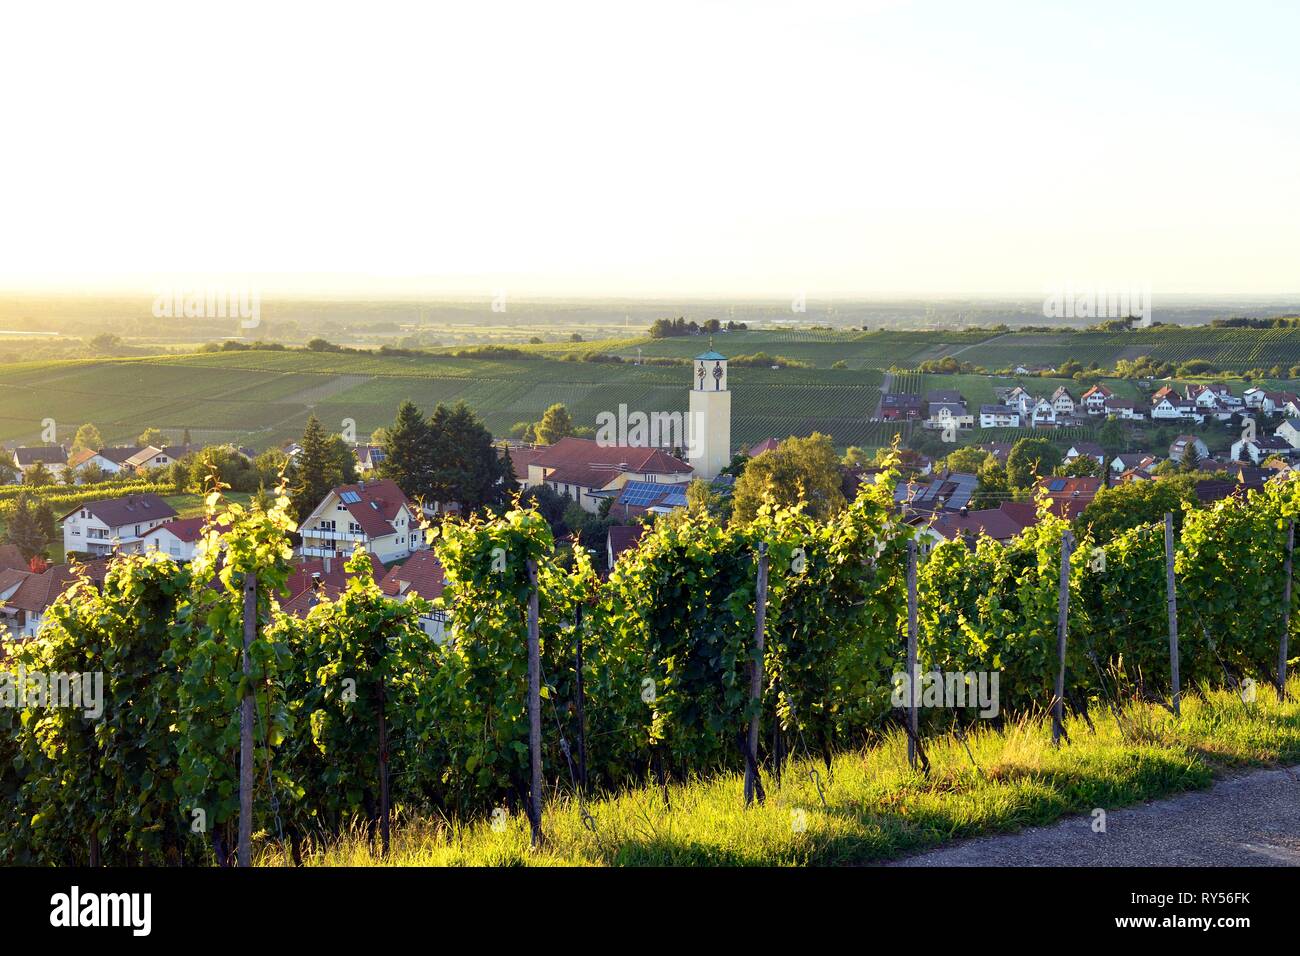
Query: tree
{"type": "Point", "coordinates": [993, 488]}
{"type": "Point", "coordinates": [315, 469]}
{"type": "Point", "coordinates": [466, 466]}
{"type": "Point", "coordinates": [38, 475]}
{"type": "Point", "coordinates": [1029, 459]}
{"type": "Point", "coordinates": [8, 473]}
{"type": "Point", "coordinates": [87, 438]}
{"type": "Point", "coordinates": [1084, 466]}
{"type": "Point", "coordinates": [30, 526]}
{"type": "Point", "coordinates": [1135, 503]}
{"type": "Point", "coordinates": [969, 459]}
{"type": "Point", "coordinates": [408, 452]}
{"type": "Point", "coordinates": [1112, 436]}
{"type": "Point", "coordinates": [556, 423]}
{"type": "Point", "coordinates": [798, 470]}
{"type": "Point", "coordinates": [152, 436]}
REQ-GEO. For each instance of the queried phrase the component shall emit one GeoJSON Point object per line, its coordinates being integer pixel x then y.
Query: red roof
{"type": "Point", "coordinates": [38, 591]}
{"type": "Point", "coordinates": [520, 459]}
{"type": "Point", "coordinates": [310, 580]}
{"type": "Point", "coordinates": [1000, 524]}
{"type": "Point", "coordinates": [186, 529]}
{"type": "Point", "coordinates": [767, 444]}
{"type": "Point", "coordinates": [588, 464]}
{"type": "Point", "coordinates": [420, 574]}
{"type": "Point", "coordinates": [1070, 495]}
{"type": "Point", "coordinates": [11, 557]}
{"type": "Point", "coordinates": [624, 537]}
{"type": "Point", "coordinates": [377, 505]}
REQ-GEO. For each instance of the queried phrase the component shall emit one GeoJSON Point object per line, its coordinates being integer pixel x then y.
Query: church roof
{"type": "Point", "coordinates": [710, 356]}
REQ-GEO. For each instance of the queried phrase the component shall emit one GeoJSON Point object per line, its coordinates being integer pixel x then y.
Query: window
{"type": "Point", "coordinates": [327, 525]}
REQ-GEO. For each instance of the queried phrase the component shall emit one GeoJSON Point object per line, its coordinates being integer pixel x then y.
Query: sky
{"type": "Point", "coordinates": [711, 147]}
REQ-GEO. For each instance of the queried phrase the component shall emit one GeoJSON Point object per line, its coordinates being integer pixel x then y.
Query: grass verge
{"type": "Point", "coordinates": [871, 806]}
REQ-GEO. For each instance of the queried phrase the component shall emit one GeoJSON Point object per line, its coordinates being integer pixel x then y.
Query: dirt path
{"type": "Point", "coordinates": [1248, 820]}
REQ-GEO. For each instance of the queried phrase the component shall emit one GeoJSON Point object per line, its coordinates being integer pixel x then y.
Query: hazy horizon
{"type": "Point", "coordinates": [930, 149]}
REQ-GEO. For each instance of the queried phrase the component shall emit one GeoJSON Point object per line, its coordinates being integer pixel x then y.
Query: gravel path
{"type": "Point", "coordinates": [1248, 820]}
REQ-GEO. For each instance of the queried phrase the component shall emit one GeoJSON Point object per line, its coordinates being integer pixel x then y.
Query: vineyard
{"type": "Point", "coordinates": [710, 649]}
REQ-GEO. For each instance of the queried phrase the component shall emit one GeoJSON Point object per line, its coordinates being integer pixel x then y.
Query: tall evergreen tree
{"type": "Point", "coordinates": [315, 469]}
{"type": "Point", "coordinates": [408, 456]}
{"type": "Point", "coordinates": [466, 466]}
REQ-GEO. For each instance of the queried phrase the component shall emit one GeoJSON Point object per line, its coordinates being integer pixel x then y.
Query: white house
{"type": "Point", "coordinates": [1172, 408]}
{"type": "Point", "coordinates": [111, 461]}
{"type": "Point", "coordinates": [113, 524]}
{"type": "Point", "coordinates": [949, 415]}
{"type": "Point", "coordinates": [376, 514]}
{"type": "Point", "coordinates": [1020, 399]}
{"type": "Point", "coordinates": [1044, 413]}
{"type": "Point", "coordinates": [1094, 399]}
{"type": "Point", "coordinates": [1086, 449]}
{"type": "Point", "coordinates": [177, 538]}
{"type": "Point", "coordinates": [999, 416]}
{"type": "Point", "coordinates": [1260, 448]}
{"type": "Point", "coordinates": [1289, 432]}
{"type": "Point", "coordinates": [1126, 409]}
{"type": "Point", "coordinates": [1280, 403]}
{"type": "Point", "coordinates": [1178, 448]}
{"type": "Point", "coordinates": [1063, 402]}
{"type": "Point", "coordinates": [1253, 396]}
{"type": "Point", "coordinates": [150, 457]}
{"type": "Point", "coordinates": [53, 457]}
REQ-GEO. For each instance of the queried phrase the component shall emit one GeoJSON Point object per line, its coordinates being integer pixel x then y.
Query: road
{"type": "Point", "coordinates": [1247, 820]}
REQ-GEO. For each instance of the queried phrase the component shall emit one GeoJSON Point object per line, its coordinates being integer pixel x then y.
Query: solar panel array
{"type": "Point", "coordinates": [642, 494]}
{"type": "Point", "coordinates": [350, 497]}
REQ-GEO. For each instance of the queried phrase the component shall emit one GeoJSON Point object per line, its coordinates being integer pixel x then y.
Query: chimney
{"type": "Point", "coordinates": [965, 511]}
{"type": "Point", "coordinates": [325, 562]}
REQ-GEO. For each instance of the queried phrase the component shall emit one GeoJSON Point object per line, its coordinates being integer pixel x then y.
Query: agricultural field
{"type": "Point", "coordinates": [263, 398]}
{"type": "Point", "coordinates": [822, 348]}
{"type": "Point", "coordinates": [1230, 349]}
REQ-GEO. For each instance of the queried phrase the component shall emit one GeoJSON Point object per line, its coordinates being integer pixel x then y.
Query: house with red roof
{"type": "Point", "coordinates": [1002, 523]}
{"type": "Point", "coordinates": [582, 469]}
{"type": "Point", "coordinates": [178, 538]}
{"type": "Point", "coordinates": [26, 596]}
{"type": "Point", "coordinates": [420, 576]}
{"type": "Point", "coordinates": [1069, 496]}
{"type": "Point", "coordinates": [374, 514]}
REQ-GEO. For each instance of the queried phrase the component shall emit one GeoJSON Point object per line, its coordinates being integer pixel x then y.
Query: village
{"type": "Point", "coordinates": [625, 487]}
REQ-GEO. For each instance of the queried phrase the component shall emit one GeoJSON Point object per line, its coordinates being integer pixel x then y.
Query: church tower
{"type": "Point", "coordinates": [710, 418]}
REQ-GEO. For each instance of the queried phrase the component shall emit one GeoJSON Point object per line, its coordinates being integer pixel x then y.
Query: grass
{"type": "Point", "coordinates": [876, 807]}
{"type": "Point", "coordinates": [192, 506]}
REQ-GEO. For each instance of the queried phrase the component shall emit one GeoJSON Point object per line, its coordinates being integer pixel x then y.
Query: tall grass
{"type": "Point", "coordinates": [870, 806]}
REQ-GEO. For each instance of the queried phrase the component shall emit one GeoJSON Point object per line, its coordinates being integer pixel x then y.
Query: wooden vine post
{"type": "Point", "coordinates": [384, 801]}
{"type": "Point", "coordinates": [756, 677]}
{"type": "Point", "coordinates": [534, 709]}
{"type": "Point", "coordinates": [1286, 612]}
{"type": "Point", "coordinates": [1062, 616]}
{"type": "Point", "coordinates": [1171, 599]}
{"type": "Point", "coordinates": [579, 702]}
{"type": "Point", "coordinates": [913, 677]}
{"type": "Point", "coordinates": [245, 849]}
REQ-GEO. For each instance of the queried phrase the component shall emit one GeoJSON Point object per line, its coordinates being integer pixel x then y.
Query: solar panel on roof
{"type": "Point", "coordinates": [350, 497]}
{"type": "Point", "coordinates": [1057, 485]}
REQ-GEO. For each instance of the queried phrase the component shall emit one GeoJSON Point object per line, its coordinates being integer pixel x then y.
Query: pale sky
{"type": "Point", "coordinates": [711, 147]}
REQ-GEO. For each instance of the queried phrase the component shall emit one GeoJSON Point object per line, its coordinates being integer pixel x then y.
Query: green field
{"type": "Point", "coordinates": [262, 398]}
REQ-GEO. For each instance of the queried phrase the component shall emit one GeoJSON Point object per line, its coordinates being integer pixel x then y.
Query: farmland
{"type": "Point", "coordinates": [262, 398]}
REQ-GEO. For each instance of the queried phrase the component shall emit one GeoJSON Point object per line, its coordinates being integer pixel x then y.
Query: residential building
{"type": "Point", "coordinates": [999, 416]}
{"type": "Point", "coordinates": [1063, 402]}
{"type": "Point", "coordinates": [178, 538]}
{"type": "Point", "coordinates": [1260, 447]}
{"type": "Point", "coordinates": [1173, 408]}
{"type": "Point", "coordinates": [1069, 496]}
{"type": "Point", "coordinates": [1125, 409]}
{"type": "Point", "coordinates": [1086, 449]}
{"type": "Point", "coordinates": [582, 468]}
{"type": "Point", "coordinates": [111, 461]}
{"type": "Point", "coordinates": [1094, 399]}
{"type": "Point", "coordinates": [1178, 449]}
{"type": "Point", "coordinates": [422, 576]}
{"type": "Point", "coordinates": [894, 407]}
{"type": "Point", "coordinates": [1002, 524]}
{"type": "Point", "coordinates": [103, 527]}
{"type": "Point", "coordinates": [947, 489]}
{"type": "Point", "coordinates": [53, 457]}
{"type": "Point", "coordinates": [373, 514]}
{"type": "Point", "coordinates": [622, 538]}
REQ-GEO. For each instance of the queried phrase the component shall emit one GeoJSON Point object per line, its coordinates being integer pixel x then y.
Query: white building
{"type": "Point", "coordinates": [179, 538]}
{"type": "Point", "coordinates": [421, 575]}
{"type": "Point", "coordinates": [375, 514]}
{"type": "Point", "coordinates": [113, 524]}
{"type": "Point", "coordinates": [53, 457]}
{"type": "Point", "coordinates": [1063, 402]}
{"type": "Point", "coordinates": [999, 416]}
{"type": "Point", "coordinates": [1094, 399]}
{"type": "Point", "coordinates": [709, 425]}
